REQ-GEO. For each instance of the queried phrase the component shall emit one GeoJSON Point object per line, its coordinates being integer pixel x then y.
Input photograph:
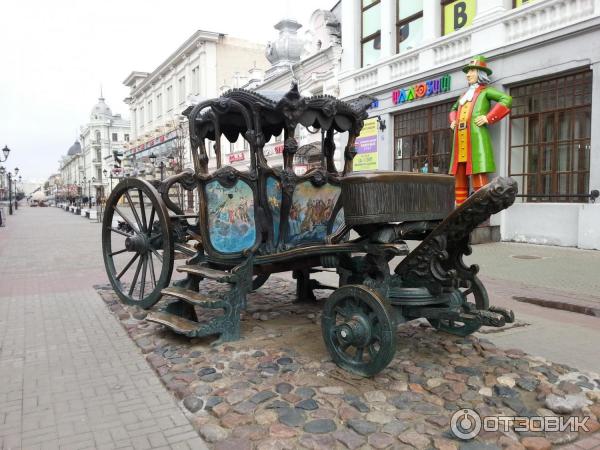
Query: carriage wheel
{"type": "Point", "coordinates": [474, 297]}
{"type": "Point", "coordinates": [359, 330]}
{"type": "Point", "coordinates": [137, 243]}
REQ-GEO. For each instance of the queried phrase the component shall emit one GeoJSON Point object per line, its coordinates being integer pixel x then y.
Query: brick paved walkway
{"type": "Point", "coordinates": [70, 376]}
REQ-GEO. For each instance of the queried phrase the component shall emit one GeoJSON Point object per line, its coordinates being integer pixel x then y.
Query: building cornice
{"type": "Point", "coordinates": [188, 47]}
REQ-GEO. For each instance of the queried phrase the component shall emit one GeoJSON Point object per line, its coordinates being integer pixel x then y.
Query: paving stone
{"type": "Point", "coordinates": [317, 441]}
{"type": "Point", "coordinates": [415, 439]}
{"type": "Point", "coordinates": [213, 401]}
{"type": "Point", "coordinates": [193, 403]}
{"type": "Point", "coordinates": [395, 427]}
{"type": "Point", "coordinates": [233, 444]}
{"type": "Point", "coordinates": [262, 397]}
{"type": "Point", "coordinates": [379, 417]}
{"type": "Point", "coordinates": [320, 426]}
{"type": "Point", "coordinates": [380, 440]}
{"type": "Point", "coordinates": [232, 420]}
{"type": "Point", "coordinates": [361, 426]}
{"type": "Point", "coordinates": [245, 407]}
{"type": "Point", "coordinates": [349, 438]}
{"type": "Point", "coordinates": [284, 388]}
{"type": "Point", "coordinates": [212, 433]}
{"type": "Point", "coordinates": [375, 396]}
{"type": "Point", "coordinates": [291, 417]}
{"type": "Point", "coordinates": [307, 405]}
{"type": "Point", "coordinates": [250, 432]}
{"type": "Point", "coordinates": [332, 390]}
{"type": "Point", "coordinates": [305, 392]}
{"type": "Point", "coordinates": [279, 430]}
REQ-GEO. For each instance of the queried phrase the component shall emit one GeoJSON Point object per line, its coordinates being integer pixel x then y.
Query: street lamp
{"type": "Point", "coordinates": [10, 211]}
{"type": "Point", "coordinates": [6, 151]}
{"type": "Point", "coordinates": [16, 190]}
{"type": "Point", "coordinates": [161, 165]}
{"type": "Point", "coordinates": [2, 172]}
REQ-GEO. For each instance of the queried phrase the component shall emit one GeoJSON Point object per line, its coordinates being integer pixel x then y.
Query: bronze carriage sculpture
{"type": "Point", "coordinates": [265, 220]}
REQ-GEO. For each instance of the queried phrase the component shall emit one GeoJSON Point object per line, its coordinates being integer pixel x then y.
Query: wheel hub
{"type": "Point", "coordinates": [138, 243]}
{"type": "Point", "coordinates": [355, 331]}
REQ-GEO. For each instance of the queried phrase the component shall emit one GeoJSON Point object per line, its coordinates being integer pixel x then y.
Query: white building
{"type": "Point", "coordinates": [103, 137]}
{"type": "Point", "coordinates": [193, 72]}
{"type": "Point", "coordinates": [545, 53]}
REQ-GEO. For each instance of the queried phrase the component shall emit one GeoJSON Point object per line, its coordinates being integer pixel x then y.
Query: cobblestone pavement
{"type": "Point", "coordinates": [277, 388]}
{"type": "Point", "coordinates": [70, 377]}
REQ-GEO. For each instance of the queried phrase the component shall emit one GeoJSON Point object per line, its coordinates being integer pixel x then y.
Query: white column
{"type": "Point", "coordinates": [350, 34]}
{"type": "Point", "coordinates": [488, 9]}
{"type": "Point", "coordinates": [595, 142]}
{"type": "Point", "coordinates": [432, 20]}
{"type": "Point", "coordinates": [388, 28]}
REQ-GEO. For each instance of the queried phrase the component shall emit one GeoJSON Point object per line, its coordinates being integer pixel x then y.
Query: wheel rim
{"type": "Point", "coordinates": [474, 297]}
{"type": "Point", "coordinates": [359, 330]}
{"type": "Point", "coordinates": [258, 281]}
{"type": "Point", "coordinates": [138, 254]}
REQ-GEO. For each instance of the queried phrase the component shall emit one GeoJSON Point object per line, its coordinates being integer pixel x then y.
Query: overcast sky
{"type": "Point", "coordinates": [54, 55]}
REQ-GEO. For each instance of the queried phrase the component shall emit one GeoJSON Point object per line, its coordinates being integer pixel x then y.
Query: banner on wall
{"type": "Point", "coordinates": [366, 147]}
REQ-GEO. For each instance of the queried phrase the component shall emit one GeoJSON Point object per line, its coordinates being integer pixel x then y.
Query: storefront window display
{"type": "Point", "coordinates": [550, 138]}
{"type": "Point", "coordinates": [423, 140]}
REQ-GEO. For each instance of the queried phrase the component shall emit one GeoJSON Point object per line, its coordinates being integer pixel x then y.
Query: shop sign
{"type": "Point", "coordinates": [237, 156]}
{"type": "Point", "coordinates": [366, 147]}
{"type": "Point", "coordinates": [154, 142]}
{"type": "Point", "coordinates": [276, 150]}
{"type": "Point", "coordinates": [421, 90]}
{"type": "Point", "coordinates": [458, 14]}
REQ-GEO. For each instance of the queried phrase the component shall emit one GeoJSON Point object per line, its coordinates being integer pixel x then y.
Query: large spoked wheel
{"type": "Point", "coordinates": [474, 297]}
{"type": "Point", "coordinates": [137, 243]}
{"type": "Point", "coordinates": [359, 330]}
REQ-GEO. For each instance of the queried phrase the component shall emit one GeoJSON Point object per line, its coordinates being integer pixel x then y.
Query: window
{"type": "Point", "coordinates": [115, 138]}
{"type": "Point", "coordinates": [141, 121]}
{"type": "Point", "coordinates": [126, 137]}
{"type": "Point", "coordinates": [409, 24]}
{"type": "Point", "coordinates": [370, 39]}
{"type": "Point", "coordinates": [196, 80]}
{"type": "Point", "coordinates": [550, 138]}
{"type": "Point", "coordinates": [158, 105]}
{"type": "Point", "coordinates": [181, 87]}
{"type": "Point", "coordinates": [457, 14]}
{"type": "Point", "coordinates": [423, 140]}
{"type": "Point", "coordinates": [169, 97]}
{"type": "Point", "coordinates": [98, 137]}
{"type": "Point", "coordinates": [149, 115]}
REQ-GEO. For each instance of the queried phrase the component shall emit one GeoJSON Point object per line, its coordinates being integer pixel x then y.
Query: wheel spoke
{"type": "Point", "coordinates": [145, 258]}
{"type": "Point", "coordinates": [372, 351]}
{"type": "Point", "coordinates": [152, 274]}
{"type": "Point", "coordinates": [467, 292]}
{"type": "Point", "coordinates": [151, 221]}
{"type": "Point", "coordinates": [135, 277]}
{"type": "Point", "coordinates": [142, 210]}
{"type": "Point", "coordinates": [341, 311]}
{"type": "Point", "coordinates": [128, 266]}
{"type": "Point", "coordinates": [344, 346]}
{"type": "Point", "coordinates": [122, 233]}
{"type": "Point", "coordinates": [117, 252]}
{"type": "Point", "coordinates": [133, 210]}
{"type": "Point", "coordinates": [118, 210]}
{"type": "Point", "coordinates": [157, 255]}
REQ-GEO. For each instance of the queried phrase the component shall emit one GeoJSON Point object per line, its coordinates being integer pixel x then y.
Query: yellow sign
{"type": "Point", "coordinates": [458, 14]}
{"type": "Point", "coordinates": [519, 3]}
{"type": "Point", "coordinates": [366, 147]}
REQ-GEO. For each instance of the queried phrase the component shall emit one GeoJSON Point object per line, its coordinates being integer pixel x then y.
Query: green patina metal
{"type": "Point", "coordinates": [296, 227]}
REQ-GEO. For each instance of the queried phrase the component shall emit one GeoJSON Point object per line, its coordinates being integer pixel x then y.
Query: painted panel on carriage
{"type": "Point", "coordinates": [339, 221]}
{"type": "Point", "coordinates": [230, 216]}
{"type": "Point", "coordinates": [311, 210]}
{"type": "Point", "coordinates": [274, 197]}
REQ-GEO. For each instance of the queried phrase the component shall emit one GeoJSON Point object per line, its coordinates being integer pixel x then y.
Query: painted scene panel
{"type": "Point", "coordinates": [230, 216]}
{"type": "Point", "coordinates": [274, 197]}
{"type": "Point", "coordinates": [311, 210]}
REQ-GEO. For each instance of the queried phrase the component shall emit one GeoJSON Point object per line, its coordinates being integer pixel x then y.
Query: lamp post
{"type": "Point", "coordinates": [5, 151]}
{"type": "Point", "coordinates": [161, 165]}
{"type": "Point", "coordinates": [90, 191]}
{"type": "Point", "coordinates": [16, 190]}
{"type": "Point", "coordinates": [10, 210]}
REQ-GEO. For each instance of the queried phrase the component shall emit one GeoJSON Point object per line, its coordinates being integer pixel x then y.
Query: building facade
{"type": "Point", "coordinates": [544, 53]}
{"type": "Point", "coordinates": [87, 168]}
{"type": "Point", "coordinates": [157, 100]}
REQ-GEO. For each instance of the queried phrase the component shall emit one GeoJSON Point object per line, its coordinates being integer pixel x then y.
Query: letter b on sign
{"type": "Point", "coordinates": [460, 15]}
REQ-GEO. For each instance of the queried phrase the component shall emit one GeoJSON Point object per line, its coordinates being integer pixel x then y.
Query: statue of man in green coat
{"type": "Point", "coordinates": [472, 152]}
